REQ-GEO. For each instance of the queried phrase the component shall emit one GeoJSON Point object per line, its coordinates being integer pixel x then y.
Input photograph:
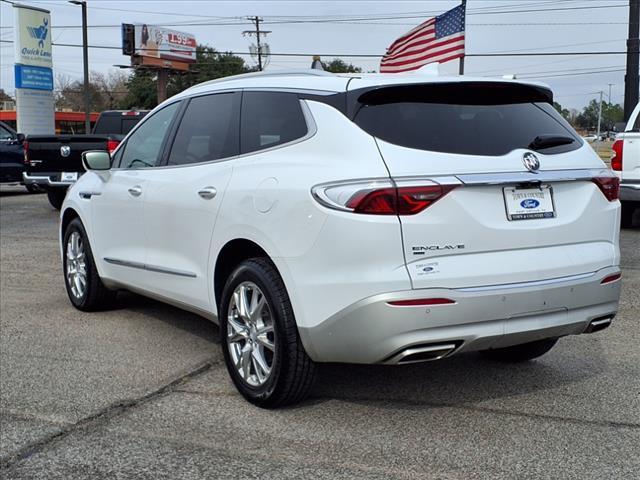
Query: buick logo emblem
{"type": "Point", "coordinates": [65, 150]}
{"type": "Point", "coordinates": [531, 162]}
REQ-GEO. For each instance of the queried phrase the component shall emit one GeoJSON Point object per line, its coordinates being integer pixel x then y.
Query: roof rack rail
{"type": "Point", "coordinates": [272, 73]}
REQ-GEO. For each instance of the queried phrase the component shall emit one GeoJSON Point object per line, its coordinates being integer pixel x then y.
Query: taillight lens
{"type": "Point", "coordinates": [112, 145]}
{"type": "Point", "coordinates": [25, 146]}
{"type": "Point", "coordinates": [398, 201]}
{"type": "Point", "coordinates": [609, 186]}
{"type": "Point", "coordinates": [616, 159]}
{"type": "Point", "coordinates": [611, 278]}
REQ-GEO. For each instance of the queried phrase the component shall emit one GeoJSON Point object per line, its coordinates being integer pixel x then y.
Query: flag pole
{"type": "Point", "coordinates": [464, 5]}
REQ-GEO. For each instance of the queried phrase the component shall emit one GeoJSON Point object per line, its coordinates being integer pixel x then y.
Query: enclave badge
{"type": "Point", "coordinates": [531, 162]}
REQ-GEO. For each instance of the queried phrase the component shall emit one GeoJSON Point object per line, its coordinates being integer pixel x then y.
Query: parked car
{"type": "Point", "coordinates": [53, 162]}
{"type": "Point", "coordinates": [11, 156]}
{"type": "Point", "coordinates": [376, 219]}
{"type": "Point", "coordinates": [625, 160]}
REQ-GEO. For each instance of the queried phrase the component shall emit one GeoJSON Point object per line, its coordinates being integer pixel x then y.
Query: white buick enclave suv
{"type": "Point", "coordinates": [366, 218]}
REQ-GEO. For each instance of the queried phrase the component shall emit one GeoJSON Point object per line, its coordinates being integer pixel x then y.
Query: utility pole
{"type": "Point", "coordinates": [464, 6]}
{"type": "Point", "coordinates": [632, 77]}
{"type": "Point", "coordinates": [85, 60]}
{"type": "Point", "coordinates": [599, 116]}
{"type": "Point", "coordinates": [257, 32]}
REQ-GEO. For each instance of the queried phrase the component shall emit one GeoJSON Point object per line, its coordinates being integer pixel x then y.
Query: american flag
{"type": "Point", "coordinates": [439, 39]}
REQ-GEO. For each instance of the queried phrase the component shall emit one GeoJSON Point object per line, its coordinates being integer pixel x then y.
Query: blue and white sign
{"type": "Point", "coordinates": [36, 78]}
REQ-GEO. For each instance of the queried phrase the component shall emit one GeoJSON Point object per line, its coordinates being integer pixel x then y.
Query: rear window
{"type": "Point", "coordinates": [473, 119]}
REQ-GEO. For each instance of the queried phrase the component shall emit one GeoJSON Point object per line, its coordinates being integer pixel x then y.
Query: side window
{"type": "Point", "coordinates": [208, 130]}
{"type": "Point", "coordinates": [270, 119]}
{"type": "Point", "coordinates": [5, 135]}
{"type": "Point", "coordinates": [143, 147]}
{"type": "Point", "coordinates": [636, 124]}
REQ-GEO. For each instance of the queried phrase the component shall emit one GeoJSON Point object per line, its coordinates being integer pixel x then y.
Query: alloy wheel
{"type": "Point", "coordinates": [76, 267]}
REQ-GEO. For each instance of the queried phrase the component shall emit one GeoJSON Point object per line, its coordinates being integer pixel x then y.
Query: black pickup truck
{"type": "Point", "coordinates": [53, 162]}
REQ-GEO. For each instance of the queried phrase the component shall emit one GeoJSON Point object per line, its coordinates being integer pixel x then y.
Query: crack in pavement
{"type": "Point", "coordinates": [103, 415]}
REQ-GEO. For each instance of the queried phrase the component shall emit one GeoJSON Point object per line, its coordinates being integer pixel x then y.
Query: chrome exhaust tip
{"type": "Point", "coordinates": [599, 323]}
{"type": "Point", "coordinates": [424, 353]}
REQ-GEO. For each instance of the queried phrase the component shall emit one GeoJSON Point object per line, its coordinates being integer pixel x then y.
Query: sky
{"type": "Point", "coordinates": [347, 28]}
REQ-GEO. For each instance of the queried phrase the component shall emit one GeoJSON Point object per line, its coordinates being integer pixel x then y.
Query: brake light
{"type": "Point", "coordinates": [421, 302]}
{"type": "Point", "coordinates": [112, 145]}
{"type": "Point", "coordinates": [611, 278]}
{"type": "Point", "coordinates": [397, 201]}
{"type": "Point", "coordinates": [616, 159]}
{"type": "Point", "coordinates": [25, 146]}
{"type": "Point", "coordinates": [609, 186]}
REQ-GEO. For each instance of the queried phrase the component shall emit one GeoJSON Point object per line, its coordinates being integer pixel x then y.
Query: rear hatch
{"type": "Point", "coordinates": [518, 200]}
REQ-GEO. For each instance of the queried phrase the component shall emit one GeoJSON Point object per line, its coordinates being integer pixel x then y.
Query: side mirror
{"type": "Point", "coordinates": [96, 160]}
{"type": "Point", "coordinates": [20, 137]}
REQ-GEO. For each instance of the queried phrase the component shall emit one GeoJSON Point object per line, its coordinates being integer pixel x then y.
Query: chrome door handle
{"type": "Point", "coordinates": [136, 191]}
{"type": "Point", "coordinates": [207, 193]}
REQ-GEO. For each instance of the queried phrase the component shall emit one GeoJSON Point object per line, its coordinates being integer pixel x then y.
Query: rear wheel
{"type": "Point", "coordinates": [262, 349]}
{"type": "Point", "coordinates": [521, 353]}
{"type": "Point", "coordinates": [84, 287]}
{"type": "Point", "coordinates": [56, 197]}
{"type": "Point", "coordinates": [32, 188]}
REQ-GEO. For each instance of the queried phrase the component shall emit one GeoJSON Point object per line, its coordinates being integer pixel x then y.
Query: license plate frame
{"type": "Point", "coordinates": [529, 203]}
{"type": "Point", "coordinates": [69, 177]}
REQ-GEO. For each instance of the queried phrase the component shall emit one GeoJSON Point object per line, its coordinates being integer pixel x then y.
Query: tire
{"type": "Point", "coordinates": [291, 372]}
{"type": "Point", "coordinates": [32, 188]}
{"type": "Point", "coordinates": [94, 296]}
{"type": "Point", "coordinates": [56, 197]}
{"type": "Point", "coordinates": [626, 218]}
{"type": "Point", "coordinates": [521, 353]}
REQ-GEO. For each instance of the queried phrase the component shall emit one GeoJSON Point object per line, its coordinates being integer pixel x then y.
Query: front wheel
{"type": "Point", "coordinates": [56, 197]}
{"type": "Point", "coordinates": [84, 287]}
{"type": "Point", "coordinates": [262, 349]}
{"type": "Point", "coordinates": [521, 353]}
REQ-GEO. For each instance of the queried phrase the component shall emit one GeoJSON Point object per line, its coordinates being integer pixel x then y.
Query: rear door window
{"type": "Point", "coordinates": [270, 119]}
{"type": "Point", "coordinates": [208, 130]}
{"type": "Point", "coordinates": [470, 119]}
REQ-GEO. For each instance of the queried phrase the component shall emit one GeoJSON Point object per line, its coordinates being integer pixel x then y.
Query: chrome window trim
{"type": "Point", "coordinates": [150, 268]}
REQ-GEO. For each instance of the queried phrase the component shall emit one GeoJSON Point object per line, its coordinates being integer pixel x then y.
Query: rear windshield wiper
{"type": "Point", "coordinates": [546, 141]}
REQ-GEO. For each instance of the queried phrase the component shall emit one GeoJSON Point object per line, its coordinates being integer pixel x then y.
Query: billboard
{"type": "Point", "coordinates": [158, 42]}
{"type": "Point", "coordinates": [33, 73]}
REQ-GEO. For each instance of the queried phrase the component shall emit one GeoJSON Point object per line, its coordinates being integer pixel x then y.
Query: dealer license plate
{"type": "Point", "coordinates": [69, 176]}
{"type": "Point", "coordinates": [529, 203]}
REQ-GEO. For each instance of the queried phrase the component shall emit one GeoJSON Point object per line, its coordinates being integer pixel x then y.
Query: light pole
{"type": "Point", "coordinates": [85, 61]}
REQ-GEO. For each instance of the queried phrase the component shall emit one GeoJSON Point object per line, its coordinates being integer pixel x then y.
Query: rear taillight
{"type": "Point", "coordinates": [381, 197]}
{"type": "Point", "coordinates": [112, 145]}
{"type": "Point", "coordinates": [616, 158]}
{"type": "Point", "coordinates": [609, 186]}
{"type": "Point", "coordinates": [25, 146]}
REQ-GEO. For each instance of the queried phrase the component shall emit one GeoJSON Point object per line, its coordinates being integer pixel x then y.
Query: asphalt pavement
{"type": "Point", "coordinates": [141, 392]}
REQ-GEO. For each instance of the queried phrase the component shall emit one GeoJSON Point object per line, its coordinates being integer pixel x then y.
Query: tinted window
{"type": "Point", "coordinates": [480, 120]}
{"type": "Point", "coordinates": [270, 119]}
{"type": "Point", "coordinates": [107, 124]}
{"type": "Point", "coordinates": [143, 147]}
{"type": "Point", "coordinates": [208, 130]}
{"type": "Point", "coordinates": [5, 134]}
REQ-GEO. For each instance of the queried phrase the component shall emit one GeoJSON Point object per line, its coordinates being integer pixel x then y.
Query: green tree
{"type": "Point", "coordinates": [210, 64]}
{"type": "Point", "coordinates": [611, 114]}
{"type": "Point", "coordinates": [338, 65]}
{"type": "Point", "coordinates": [562, 111]}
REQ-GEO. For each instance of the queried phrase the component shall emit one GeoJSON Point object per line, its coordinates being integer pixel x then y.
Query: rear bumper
{"type": "Point", "coordinates": [372, 331]}
{"type": "Point", "coordinates": [630, 192]}
{"type": "Point", "coordinates": [44, 180]}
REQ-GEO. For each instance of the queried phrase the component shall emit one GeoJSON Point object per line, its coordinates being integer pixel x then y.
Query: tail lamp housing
{"type": "Point", "coordinates": [616, 157]}
{"type": "Point", "coordinates": [609, 186]}
{"type": "Point", "coordinates": [112, 145]}
{"type": "Point", "coordinates": [381, 197]}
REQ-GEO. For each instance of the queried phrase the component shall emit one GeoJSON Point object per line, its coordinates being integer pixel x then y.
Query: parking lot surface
{"type": "Point", "coordinates": [141, 392]}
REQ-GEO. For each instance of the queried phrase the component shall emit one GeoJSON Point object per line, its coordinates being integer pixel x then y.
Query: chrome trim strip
{"type": "Point", "coordinates": [88, 195]}
{"type": "Point", "coordinates": [632, 186]}
{"type": "Point", "coordinates": [534, 283]}
{"type": "Point", "coordinates": [530, 177]}
{"type": "Point", "coordinates": [149, 268]}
